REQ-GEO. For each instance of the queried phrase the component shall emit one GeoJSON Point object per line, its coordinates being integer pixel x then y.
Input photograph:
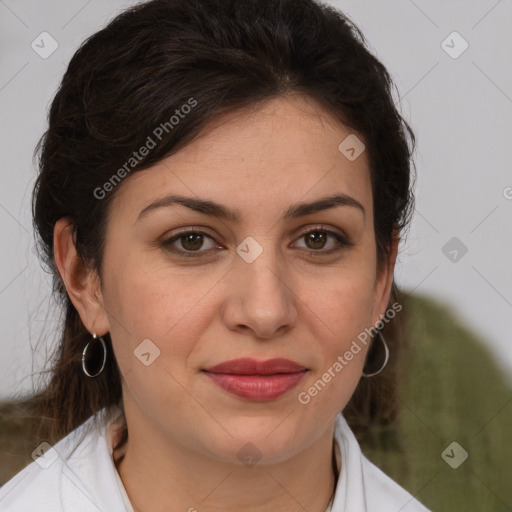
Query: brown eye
{"type": "Point", "coordinates": [190, 243]}
{"type": "Point", "coordinates": [316, 241]}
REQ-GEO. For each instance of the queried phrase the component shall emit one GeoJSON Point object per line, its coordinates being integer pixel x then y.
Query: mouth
{"type": "Point", "coordinates": [256, 380]}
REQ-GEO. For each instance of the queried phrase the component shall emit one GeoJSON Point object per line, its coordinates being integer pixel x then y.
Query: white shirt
{"type": "Point", "coordinates": [79, 475]}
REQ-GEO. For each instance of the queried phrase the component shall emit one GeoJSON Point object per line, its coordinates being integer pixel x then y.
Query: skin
{"type": "Point", "coordinates": [185, 431]}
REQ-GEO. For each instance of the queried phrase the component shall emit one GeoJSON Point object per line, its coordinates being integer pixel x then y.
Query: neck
{"type": "Point", "coordinates": [162, 475]}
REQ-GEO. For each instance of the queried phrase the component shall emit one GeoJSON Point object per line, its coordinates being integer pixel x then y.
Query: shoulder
{"type": "Point", "coordinates": [362, 485]}
{"type": "Point", "coordinates": [70, 476]}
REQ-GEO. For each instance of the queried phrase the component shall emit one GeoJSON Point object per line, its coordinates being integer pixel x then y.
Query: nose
{"type": "Point", "coordinates": [260, 300]}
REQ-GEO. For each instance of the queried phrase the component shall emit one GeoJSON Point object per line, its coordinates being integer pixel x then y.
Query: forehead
{"type": "Point", "coordinates": [265, 156]}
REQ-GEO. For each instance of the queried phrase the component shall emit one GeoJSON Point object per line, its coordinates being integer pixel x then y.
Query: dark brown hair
{"type": "Point", "coordinates": [134, 74]}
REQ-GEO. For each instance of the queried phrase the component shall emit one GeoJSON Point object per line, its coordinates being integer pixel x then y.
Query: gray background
{"type": "Point", "coordinates": [460, 109]}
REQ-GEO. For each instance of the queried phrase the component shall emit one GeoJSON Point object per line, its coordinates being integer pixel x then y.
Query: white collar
{"type": "Point", "coordinates": [361, 486]}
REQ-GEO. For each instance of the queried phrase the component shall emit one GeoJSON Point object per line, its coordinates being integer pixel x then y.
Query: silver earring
{"type": "Point", "coordinates": [386, 357]}
{"type": "Point", "coordinates": [93, 358]}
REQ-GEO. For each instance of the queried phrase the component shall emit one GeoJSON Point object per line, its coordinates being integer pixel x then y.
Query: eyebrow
{"type": "Point", "coordinates": [219, 211]}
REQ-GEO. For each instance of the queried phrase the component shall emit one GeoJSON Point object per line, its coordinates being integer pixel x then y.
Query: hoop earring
{"type": "Point", "coordinates": [386, 357]}
{"type": "Point", "coordinates": [93, 357]}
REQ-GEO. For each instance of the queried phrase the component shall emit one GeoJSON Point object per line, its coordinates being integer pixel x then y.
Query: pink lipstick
{"type": "Point", "coordinates": [257, 380]}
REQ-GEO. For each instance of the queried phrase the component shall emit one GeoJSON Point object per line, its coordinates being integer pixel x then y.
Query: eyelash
{"type": "Point", "coordinates": [343, 243]}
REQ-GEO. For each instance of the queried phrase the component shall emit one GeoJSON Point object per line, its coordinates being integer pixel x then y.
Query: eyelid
{"type": "Point", "coordinates": [321, 227]}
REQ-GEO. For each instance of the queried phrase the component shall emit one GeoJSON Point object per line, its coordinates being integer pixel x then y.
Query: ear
{"type": "Point", "coordinates": [384, 281]}
{"type": "Point", "coordinates": [82, 283]}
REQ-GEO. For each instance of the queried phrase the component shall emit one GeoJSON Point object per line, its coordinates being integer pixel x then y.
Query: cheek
{"type": "Point", "coordinates": [164, 312]}
{"type": "Point", "coordinates": [338, 310]}
{"type": "Point", "coordinates": [168, 308]}
{"type": "Point", "coordinates": [343, 304]}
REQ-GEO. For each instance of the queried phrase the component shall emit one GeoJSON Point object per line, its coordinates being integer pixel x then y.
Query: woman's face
{"type": "Point", "coordinates": [251, 285]}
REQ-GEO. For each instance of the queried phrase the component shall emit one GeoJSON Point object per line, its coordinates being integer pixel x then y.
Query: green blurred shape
{"type": "Point", "coordinates": [453, 391]}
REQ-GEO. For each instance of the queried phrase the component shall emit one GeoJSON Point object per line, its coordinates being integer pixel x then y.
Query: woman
{"type": "Point", "coordinates": [222, 189]}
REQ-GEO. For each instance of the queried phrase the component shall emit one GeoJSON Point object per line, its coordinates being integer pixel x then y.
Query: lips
{"type": "Point", "coordinates": [256, 380]}
{"type": "Point", "coordinates": [246, 366]}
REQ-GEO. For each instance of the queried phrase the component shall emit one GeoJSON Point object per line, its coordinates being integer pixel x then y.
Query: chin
{"type": "Point", "coordinates": [249, 440]}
